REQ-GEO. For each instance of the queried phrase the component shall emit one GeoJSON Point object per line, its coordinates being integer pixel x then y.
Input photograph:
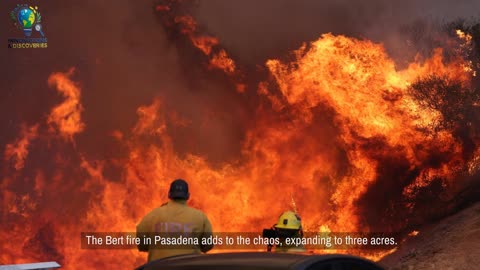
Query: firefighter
{"type": "Point", "coordinates": [289, 225]}
{"type": "Point", "coordinates": [173, 219]}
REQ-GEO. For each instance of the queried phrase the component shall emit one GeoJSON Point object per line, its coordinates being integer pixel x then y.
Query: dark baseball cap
{"type": "Point", "coordinates": [179, 190]}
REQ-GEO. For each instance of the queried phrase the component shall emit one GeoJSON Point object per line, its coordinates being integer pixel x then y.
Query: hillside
{"type": "Point", "coordinates": [452, 243]}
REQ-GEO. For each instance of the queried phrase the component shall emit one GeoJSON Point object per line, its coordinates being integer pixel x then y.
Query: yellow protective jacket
{"type": "Point", "coordinates": [174, 217]}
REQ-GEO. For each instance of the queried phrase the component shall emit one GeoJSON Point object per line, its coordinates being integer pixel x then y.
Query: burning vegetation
{"type": "Point", "coordinates": [335, 129]}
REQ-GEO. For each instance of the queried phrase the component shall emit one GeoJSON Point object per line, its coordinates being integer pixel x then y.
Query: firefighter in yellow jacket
{"type": "Point", "coordinates": [171, 220]}
{"type": "Point", "coordinates": [289, 225]}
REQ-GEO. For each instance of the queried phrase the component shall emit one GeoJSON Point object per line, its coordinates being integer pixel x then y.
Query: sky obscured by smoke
{"type": "Point", "coordinates": [124, 59]}
{"type": "Point", "coordinates": [263, 29]}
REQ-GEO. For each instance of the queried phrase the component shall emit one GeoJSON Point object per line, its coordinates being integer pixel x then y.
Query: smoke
{"type": "Point", "coordinates": [258, 30]}
{"type": "Point", "coordinates": [123, 60]}
{"type": "Point", "coordinates": [135, 72]}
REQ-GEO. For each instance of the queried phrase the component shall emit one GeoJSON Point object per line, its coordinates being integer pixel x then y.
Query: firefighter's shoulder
{"type": "Point", "coordinates": [197, 213]}
{"type": "Point", "coordinates": [156, 211]}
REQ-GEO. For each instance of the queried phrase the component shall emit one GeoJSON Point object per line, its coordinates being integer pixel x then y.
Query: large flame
{"type": "Point", "coordinates": [336, 137]}
{"type": "Point", "coordinates": [369, 96]}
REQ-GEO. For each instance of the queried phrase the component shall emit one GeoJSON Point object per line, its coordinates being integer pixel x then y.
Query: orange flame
{"type": "Point", "coordinates": [205, 43]}
{"type": "Point", "coordinates": [466, 46]}
{"type": "Point", "coordinates": [223, 62]}
{"type": "Point", "coordinates": [338, 110]}
{"type": "Point", "coordinates": [462, 35]}
{"type": "Point", "coordinates": [413, 233]}
{"type": "Point", "coordinates": [360, 82]}
{"type": "Point", "coordinates": [66, 117]}
{"type": "Point", "coordinates": [18, 151]}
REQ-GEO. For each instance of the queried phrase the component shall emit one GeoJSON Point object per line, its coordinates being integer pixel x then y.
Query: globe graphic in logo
{"type": "Point", "coordinates": [26, 18]}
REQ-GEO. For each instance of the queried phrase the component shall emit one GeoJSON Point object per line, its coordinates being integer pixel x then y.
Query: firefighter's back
{"type": "Point", "coordinates": [175, 221]}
